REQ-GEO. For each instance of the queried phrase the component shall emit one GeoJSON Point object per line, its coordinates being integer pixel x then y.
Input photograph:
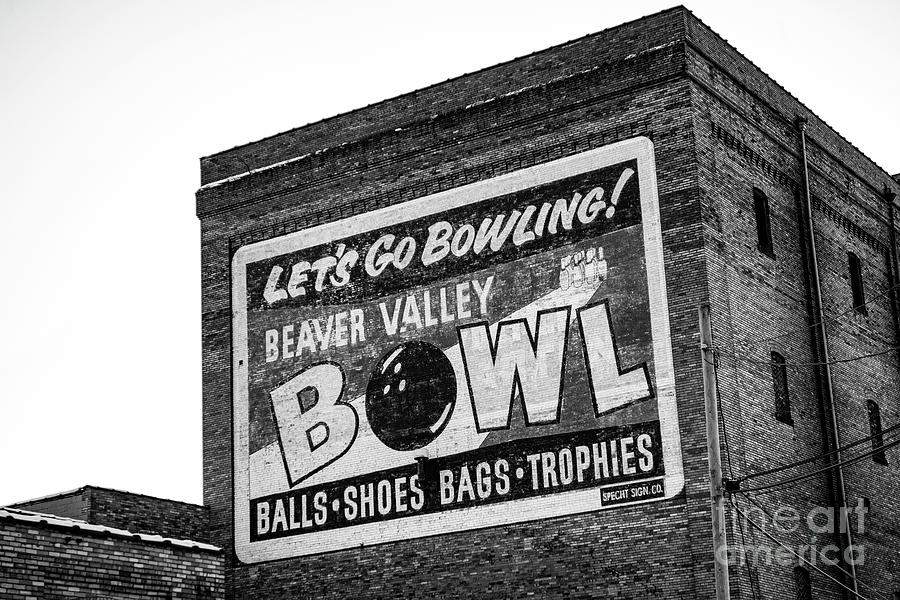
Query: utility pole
{"type": "Point", "coordinates": [716, 489]}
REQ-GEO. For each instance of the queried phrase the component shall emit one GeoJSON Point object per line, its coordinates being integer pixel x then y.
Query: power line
{"type": "Point", "coordinates": [848, 461]}
{"type": "Point", "coordinates": [768, 514]}
{"type": "Point", "coordinates": [731, 467]}
{"type": "Point", "coordinates": [722, 418]}
{"type": "Point", "coordinates": [789, 549]}
{"type": "Point", "coordinates": [807, 364]}
{"type": "Point", "coordinates": [799, 556]}
{"type": "Point", "coordinates": [818, 457]}
{"type": "Point", "coordinates": [836, 566]}
{"type": "Point", "coordinates": [830, 319]}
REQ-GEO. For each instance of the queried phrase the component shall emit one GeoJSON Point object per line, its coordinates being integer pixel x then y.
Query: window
{"type": "Point", "coordinates": [779, 382]}
{"type": "Point", "coordinates": [802, 583]}
{"type": "Point", "coordinates": [875, 428]}
{"type": "Point", "coordinates": [856, 282]}
{"type": "Point", "coordinates": [763, 225]}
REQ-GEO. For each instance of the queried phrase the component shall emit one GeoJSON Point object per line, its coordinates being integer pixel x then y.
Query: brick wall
{"type": "Point", "coordinates": [552, 558]}
{"type": "Point", "coordinates": [40, 561]}
{"type": "Point", "coordinates": [125, 510]}
{"type": "Point", "coordinates": [73, 505]}
{"type": "Point", "coordinates": [379, 120]}
{"type": "Point", "coordinates": [140, 513]}
{"type": "Point", "coordinates": [746, 138]}
{"type": "Point", "coordinates": [716, 137]}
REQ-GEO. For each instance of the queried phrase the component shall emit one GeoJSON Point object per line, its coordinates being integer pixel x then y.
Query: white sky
{"type": "Point", "coordinates": [106, 107]}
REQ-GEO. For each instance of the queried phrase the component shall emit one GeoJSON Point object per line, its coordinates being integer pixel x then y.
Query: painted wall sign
{"type": "Point", "coordinates": [491, 354]}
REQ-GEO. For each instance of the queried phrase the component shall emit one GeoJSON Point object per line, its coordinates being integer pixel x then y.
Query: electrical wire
{"type": "Point", "coordinates": [722, 416]}
{"type": "Point", "coordinates": [731, 468]}
{"type": "Point", "coordinates": [806, 364]}
{"type": "Point", "coordinates": [818, 457]}
{"type": "Point", "coordinates": [750, 499]}
{"type": "Point", "coordinates": [769, 515]}
{"type": "Point", "coordinates": [828, 320]}
{"type": "Point", "coordinates": [842, 463]}
{"type": "Point", "coordinates": [771, 487]}
{"type": "Point", "coordinates": [838, 567]}
{"type": "Point", "coordinates": [800, 557]}
{"type": "Point", "coordinates": [783, 467]}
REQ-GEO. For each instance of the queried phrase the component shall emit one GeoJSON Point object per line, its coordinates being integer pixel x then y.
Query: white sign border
{"type": "Point", "coordinates": [492, 515]}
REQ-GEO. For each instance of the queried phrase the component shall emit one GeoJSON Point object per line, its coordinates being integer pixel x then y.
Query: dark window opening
{"type": "Point", "coordinates": [763, 224]}
{"type": "Point", "coordinates": [779, 383]}
{"type": "Point", "coordinates": [875, 429]}
{"type": "Point", "coordinates": [802, 583]}
{"type": "Point", "coordinates": [856, 282]}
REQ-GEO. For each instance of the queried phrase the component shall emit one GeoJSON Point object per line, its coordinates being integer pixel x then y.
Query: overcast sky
{"type": "Point", "coordinates": [106, 107]}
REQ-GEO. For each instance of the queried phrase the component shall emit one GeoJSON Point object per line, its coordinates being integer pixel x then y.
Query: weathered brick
{"type": "Point", "coordinates": [48, 561]}
{"type": "Point", "coordinates": [720, 128]}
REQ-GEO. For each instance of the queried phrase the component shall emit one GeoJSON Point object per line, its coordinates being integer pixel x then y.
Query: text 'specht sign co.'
{"type": "Point", "coordinates": [490, 354]}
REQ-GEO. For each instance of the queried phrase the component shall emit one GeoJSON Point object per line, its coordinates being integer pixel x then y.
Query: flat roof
{"type": "Point", "coordinates": [97, 487]}
{"type": "Point", "coordinates": [35, 518]}
{"type": "Point", "coordinates": [235, 163]}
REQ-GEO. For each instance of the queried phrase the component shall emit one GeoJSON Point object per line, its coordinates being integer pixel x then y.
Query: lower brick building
{"type": "Point", "coordinates": [105, 544]}
{"type": "Point", "coordinates": [451, 339]}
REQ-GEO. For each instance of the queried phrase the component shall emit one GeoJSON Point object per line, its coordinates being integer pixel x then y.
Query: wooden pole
{"type": "Point", "coordinates": [716, 490]}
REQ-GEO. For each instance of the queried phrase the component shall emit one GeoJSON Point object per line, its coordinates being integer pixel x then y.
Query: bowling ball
{"type": "Point", "coordinates": [410, 396]}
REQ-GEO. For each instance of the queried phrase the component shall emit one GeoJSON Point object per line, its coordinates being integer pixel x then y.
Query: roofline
{"type": "Point", "coordinates": [416, 122]}
{"type": "Point", "coordinates": [50, 496]}
{"type": "Point", "coordinates": [893, 179]}
{"type": "Point", "coordinates": [802, 104]}
{"type": "Point", "coordinates": [677, 7]}
{"type": "Point", "coordinates": [98, 487]}
{"type": "Point", "coordinates": [36, 518]}
{"type": "Point", "coordinates": [108, 489]}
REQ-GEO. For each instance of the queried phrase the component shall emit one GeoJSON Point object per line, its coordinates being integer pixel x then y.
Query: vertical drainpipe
{"type": "Point", "coordinates": [840, 492]}
{"type": "Point", "coordinates": [889, 197]}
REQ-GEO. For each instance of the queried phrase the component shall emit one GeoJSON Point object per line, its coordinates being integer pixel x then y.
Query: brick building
{"type": "Point", "coordinates": [100, 543]}
{"type": "Point", "coordinates": [656, 129]}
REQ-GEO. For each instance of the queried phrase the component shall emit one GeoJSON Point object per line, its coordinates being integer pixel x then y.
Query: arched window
{"type": "Point", "coordinates": [875, 428]}
{"type": "Point", "coordinates": [780, 384]}
{"type": "Point", "coordinates": [856, 283]}
{"type": "Point", "coordinates": [763, 224]}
